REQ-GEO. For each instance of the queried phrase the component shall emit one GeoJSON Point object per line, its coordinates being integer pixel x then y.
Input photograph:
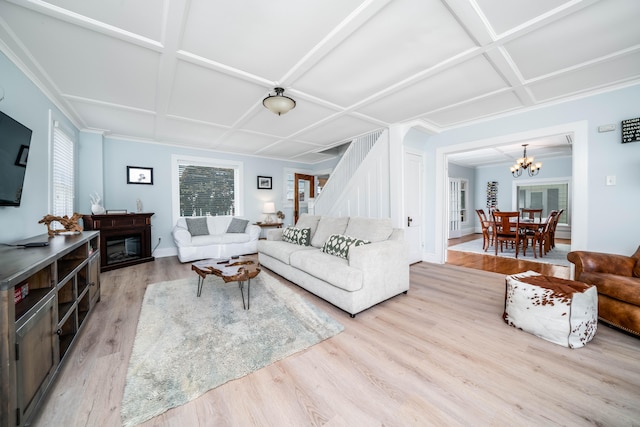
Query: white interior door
{"type": "Point", "coordinates": [413, 205]}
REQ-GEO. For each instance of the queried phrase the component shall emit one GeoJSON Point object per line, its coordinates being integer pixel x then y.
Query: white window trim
{"type": "Point", "coordinates": [72, 136]}
{"type": "Point", "coordinates": [199, 161]}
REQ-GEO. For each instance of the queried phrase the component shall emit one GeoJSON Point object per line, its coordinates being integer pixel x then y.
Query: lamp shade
{"type": "Point", "coordinates": [278, 103]}
{"type": "Point", "coordinates": [269, 208]}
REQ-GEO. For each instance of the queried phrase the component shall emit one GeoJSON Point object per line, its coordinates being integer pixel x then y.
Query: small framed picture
{"type": "Point", "coordinates": [139, 175]}
{"type": "Point", "coordinates": [264, 183]}
{"type": "Point", "coordinates": [21, 160]}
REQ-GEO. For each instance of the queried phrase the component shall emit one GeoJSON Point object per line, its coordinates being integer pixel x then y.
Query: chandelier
{"type": "Point", "coordinates": [525, 162]}
{"type": "Point", "coordinates": [278, 103]}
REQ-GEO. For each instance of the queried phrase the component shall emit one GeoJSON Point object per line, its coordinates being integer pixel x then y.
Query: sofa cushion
{"type": "Point", "coordinates": [336, 271]}
{"type": "Point", "coordinates": [197, 226]}
{"type": "Point", "coordinates": [339, 245]}
{"type": "Point", "coordinates": [237, 225]}
{"type": "Point", "coordinates": [220, 239]}
{"type": "Point", "coordinates": [308, 221]}
{"type": "Point", "coordinates": [328, 226]}
{"type": "Point", "coordinates": [299, 236]}
{"type": "Point", "coordinates": [281, 250]}
{"type": "Point", "coordinates": [371, 229]}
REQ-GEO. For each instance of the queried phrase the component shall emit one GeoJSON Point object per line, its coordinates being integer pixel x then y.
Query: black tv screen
{"type": "Point", "coordinates": [15, 139]}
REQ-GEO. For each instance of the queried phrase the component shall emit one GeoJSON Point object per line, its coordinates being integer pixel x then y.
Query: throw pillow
{"type": "Point", "coordinates": [339, 245]}
{"type": "Point", "coordinates": [298, 236]}
{"type": "Point", "coordinates": [197, 226]}
{"type": "Point", "coordinates": [237, 225]}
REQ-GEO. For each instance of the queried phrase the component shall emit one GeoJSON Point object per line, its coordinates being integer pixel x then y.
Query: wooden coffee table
{"type": "Point", "coordinates": [241, 270]}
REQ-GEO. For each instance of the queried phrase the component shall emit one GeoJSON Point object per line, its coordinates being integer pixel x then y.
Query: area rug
{"type": "Point", "coordinates": [185, 345]}
{"type": "Point", "coordinates": [556, 256]}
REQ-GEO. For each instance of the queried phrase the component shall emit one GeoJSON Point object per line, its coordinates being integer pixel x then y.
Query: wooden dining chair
{"type": "Point", "coordinates": [543, 236]}
{"type": "Point", "coordinates": [531, 213]}
{"type": "Point", "coordinates": [552, 237]}
{"type": "Point", "coordinates": [506, 228]}
{"type": "Point", "coordinates": [487, 229]}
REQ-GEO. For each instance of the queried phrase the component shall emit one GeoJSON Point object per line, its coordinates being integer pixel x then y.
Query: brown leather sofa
{"type": "Point", "coordinates": [617, 278]}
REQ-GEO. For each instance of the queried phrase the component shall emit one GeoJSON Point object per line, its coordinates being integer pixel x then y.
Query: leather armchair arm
{"type": "Point", "coordinates": [597, 262]}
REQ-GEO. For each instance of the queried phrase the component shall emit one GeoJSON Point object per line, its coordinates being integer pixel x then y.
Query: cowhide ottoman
{"type": "Point", "coordinates": [562, 311]}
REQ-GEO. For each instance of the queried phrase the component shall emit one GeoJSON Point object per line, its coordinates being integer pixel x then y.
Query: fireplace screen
{"type": "Point", "coordinates": [123, 248]}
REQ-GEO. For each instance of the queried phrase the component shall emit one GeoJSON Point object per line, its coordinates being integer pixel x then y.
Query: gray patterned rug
{"type": "Point", "coordinates": [185, 346]}
{"type": "Point", "coordinates": [556, 256]}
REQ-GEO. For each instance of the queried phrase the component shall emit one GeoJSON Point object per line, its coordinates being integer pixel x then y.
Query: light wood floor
{"type": "Point", "coordinates": [440, 355]}
{"type": "Point", "coordinates": [502, 265]}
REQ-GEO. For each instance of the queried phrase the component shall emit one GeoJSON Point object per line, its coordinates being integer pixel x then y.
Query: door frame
{"type": "Point", "coordinates": [580, 151]}
{"type": "Point", "coordinates": [296, 200]}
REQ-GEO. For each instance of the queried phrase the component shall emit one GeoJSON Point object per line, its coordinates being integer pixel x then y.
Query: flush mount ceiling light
{"type": "Point", "coordinates": [525, 162]}
{"type": "Point", "coordinates": [278, 103]}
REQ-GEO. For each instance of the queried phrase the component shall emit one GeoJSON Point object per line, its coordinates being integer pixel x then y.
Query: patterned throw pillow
{"type": "Point", "coordinates": [299, 236]}
{"type": "Point", "coordinates": [237, 225]}
{"type": "Point", "coordinates": [197, 226]}
{"type": "Point", "coordinates": [339, 245]}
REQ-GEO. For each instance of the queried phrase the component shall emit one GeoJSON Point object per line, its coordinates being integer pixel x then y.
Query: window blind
{"type": "Point", "coordinates": [62, 174]}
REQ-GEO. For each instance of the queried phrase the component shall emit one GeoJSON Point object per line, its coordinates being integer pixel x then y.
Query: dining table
{"type": "Point", "coordinates": [534, 224]}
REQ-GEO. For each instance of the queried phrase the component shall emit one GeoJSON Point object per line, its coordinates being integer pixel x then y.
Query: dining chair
{"type": "Point", "coordinates": [542, 237]}
{"type": "Point", "coordinates": [528, 213]}
{"type": "Point", "coordinates": [506, 228]}
{"type": "Point", "coordinates": [486, 225]}
{"type": "Point", "coordinates": [552, 238]}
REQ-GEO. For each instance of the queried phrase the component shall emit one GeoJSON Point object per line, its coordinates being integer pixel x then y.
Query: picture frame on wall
{"type": "Point", "coordinates": [264, 183]}
{"type": "Point", "coordinates": [139, 175]}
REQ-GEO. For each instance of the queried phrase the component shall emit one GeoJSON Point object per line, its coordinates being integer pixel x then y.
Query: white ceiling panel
{"type": "Point", "coordinates": [265, 38]}
{"type": "Point", "coordinates": [179, 130]}
{"type": "Point", "coordinates": [505, 15]}
{"type": "Point", "coordinates": [337, 130]}
{"type": "Point", "coordinates": [465, 81]}
{"type": "Point", "coordinates": [216, 98]}
{"type": "Point", "coordinates": [194, 72]}
{"type": "Point", "coordinates": [293, 148]}
{"type": "Point", "coordinates": [491, 105]}
{"type": "Point", "coordinates": [142, 17]}
{"type": "Point", "coordinates": [118, 122]}
{"type": "Point", "coordinates": [403, 40]}
{"type": "Point", "coordinates": [605, 27]}
{"type": "Point", "coordinates": [619, 69]}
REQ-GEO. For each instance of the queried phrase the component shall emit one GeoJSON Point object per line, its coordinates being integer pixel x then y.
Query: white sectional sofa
{"type": "Point", "coordinates": [349, 274]}
{"type": "Point", "coordinates": [214, 237]}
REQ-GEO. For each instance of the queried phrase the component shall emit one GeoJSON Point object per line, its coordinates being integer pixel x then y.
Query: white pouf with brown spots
{"type": "Point", "coordinates": [562, 311]}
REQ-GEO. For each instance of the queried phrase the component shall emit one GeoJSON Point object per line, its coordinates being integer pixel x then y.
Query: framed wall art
{"type": "Point", "coordinates": [139, 175]}
{"type": "Point", "coordinates": [264, 183]}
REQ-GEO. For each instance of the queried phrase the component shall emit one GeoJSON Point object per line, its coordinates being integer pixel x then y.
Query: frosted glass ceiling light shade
{"type": "Point", "coordinates": [278, 103]}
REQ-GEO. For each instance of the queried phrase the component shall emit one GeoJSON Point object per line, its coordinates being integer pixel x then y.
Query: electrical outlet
{"type": "Point", "coordinates": [611, 180]}
{"type": "Point", "coordinates": [606, 128]}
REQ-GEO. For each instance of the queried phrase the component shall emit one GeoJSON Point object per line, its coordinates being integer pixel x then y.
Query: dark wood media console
{"type": "Point", "coordinates": [125, 238]}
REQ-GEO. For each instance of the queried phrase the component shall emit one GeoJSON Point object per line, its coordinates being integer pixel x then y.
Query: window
{"type": "Point", "coordinates": [209, 187]}
{"type": "Point", "coordinates": [62, 174]}
{"type": "Point", "coordinates": [547, 195]}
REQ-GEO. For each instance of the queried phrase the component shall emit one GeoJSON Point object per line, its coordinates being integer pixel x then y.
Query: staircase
{"type": "Point", "coordinates": [359, 184]}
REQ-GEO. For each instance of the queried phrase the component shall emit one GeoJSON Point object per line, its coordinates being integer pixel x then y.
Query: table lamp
{"type": "Point", "coordinates": [269, 209]}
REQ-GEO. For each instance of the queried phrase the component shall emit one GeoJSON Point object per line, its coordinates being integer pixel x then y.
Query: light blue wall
{"type": "Point", "coordinates": [117, 154]}
{"type": "Point", "coordinates": [26, 103]}
{"type": "Point", "coordinates": [551, 168]}
{"type": "Point", "coordinates": [606, 156]}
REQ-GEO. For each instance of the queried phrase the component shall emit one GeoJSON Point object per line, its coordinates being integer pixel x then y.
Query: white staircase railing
{"type": "Point", "coordinates": [344, 170]}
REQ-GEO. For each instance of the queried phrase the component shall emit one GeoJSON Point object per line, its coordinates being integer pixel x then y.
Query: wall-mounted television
{"type": "Point", "coordinates": [15, 139]}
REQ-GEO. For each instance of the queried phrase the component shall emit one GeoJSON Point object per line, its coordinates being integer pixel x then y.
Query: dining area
{"type": "Point", "coordinates": [519, 231]}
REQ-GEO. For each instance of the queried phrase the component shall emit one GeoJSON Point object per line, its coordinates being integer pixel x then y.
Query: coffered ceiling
{"type": "Point", "coordinates": [194, 72]}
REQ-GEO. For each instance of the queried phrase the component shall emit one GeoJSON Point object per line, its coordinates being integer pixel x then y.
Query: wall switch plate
{"type": "Point", "coordinates": [606, 128]}
{"type": "Point", "coordinates": [611, 180]}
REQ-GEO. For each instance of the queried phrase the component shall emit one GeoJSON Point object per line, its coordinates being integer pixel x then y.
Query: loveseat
{"type": "Point", "coordinates": [214, 237]}
{"type": "Point", "coordinates": [617, 278]}
{"type": "Point", "coordinates": [351, 262]}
